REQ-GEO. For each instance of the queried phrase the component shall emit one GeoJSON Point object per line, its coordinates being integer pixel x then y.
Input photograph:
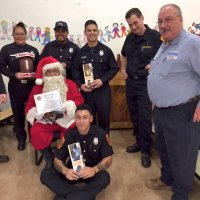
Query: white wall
{"type": "Point", "coordinates": [75, 12]}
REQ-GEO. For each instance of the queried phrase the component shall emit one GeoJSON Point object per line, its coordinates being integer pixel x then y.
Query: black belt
{"type": "Point", "coordinates": [137, 77]}
{"type": "Point", "coordinates": [22, 81]}
{"type": "Point", "coordinates": [192, 100]}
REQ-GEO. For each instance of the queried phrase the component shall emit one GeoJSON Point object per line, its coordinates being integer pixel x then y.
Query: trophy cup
{"type": "Point", "coordinates": [26, 65]}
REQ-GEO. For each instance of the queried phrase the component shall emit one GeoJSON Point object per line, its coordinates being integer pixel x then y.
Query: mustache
{"type": "Point", "coordinates": [164, 30]}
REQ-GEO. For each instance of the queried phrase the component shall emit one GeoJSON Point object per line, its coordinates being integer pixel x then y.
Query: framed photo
{"type": "Point", "coordinates": [76, 156]}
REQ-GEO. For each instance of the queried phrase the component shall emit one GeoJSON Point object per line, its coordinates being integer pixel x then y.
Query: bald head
{"type": "Point", "coordinates": [170, 22]}
{"type": "Point", "coordinates": [173, 6]}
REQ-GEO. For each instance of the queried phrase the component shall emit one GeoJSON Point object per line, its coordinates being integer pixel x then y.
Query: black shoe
{"type": "Point", "coordinates": [21, 146]}
{"type": "Point", "coordinates": [133, 149]}
{"type": "Point", "coordinates": [4, 159]}
{"type": "Point", "coordinates": [146, 160]}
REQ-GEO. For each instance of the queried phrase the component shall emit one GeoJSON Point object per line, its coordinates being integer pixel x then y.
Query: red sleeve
{"type": "Point", "coordinates": [73, 93]}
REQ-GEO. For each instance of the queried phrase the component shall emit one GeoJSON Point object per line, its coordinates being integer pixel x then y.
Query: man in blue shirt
{"type": "Point", "coordinates": [174, 89]}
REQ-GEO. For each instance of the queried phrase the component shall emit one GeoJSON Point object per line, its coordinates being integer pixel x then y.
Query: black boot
{"type": "Point", "coordinates": [4, 159]}
{"type": "Point", "coordinates": [48, 156]}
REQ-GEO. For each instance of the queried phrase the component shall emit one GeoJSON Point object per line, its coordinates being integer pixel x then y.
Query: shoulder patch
{"type": "Point", "coordinates": [60, 142]}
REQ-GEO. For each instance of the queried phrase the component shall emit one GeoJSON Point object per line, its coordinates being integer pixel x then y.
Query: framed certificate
{"type": "Point", "coordinates": [48, 102]}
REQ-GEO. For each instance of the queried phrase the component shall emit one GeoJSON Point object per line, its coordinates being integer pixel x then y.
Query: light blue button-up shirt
{"type": "Point", "coordinates": [174, 77]}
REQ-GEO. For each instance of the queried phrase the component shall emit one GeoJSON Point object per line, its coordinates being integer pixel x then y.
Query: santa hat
{"type": "Point", "coordinates": [45, 64]}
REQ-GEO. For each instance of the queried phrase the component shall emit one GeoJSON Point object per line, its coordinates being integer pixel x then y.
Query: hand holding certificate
{"type": "Point", "coordinates": [48, 102]}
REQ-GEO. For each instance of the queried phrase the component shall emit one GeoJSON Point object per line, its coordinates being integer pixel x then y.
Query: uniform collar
{"type": "Point", "coordinates": [145, 36]}
{"type": "Point", "coordinates": [17, 45]}
{"type": "Point", "coordinates": [58, 44]}
{"type": "Point", "coordinates": [87, 48]}
{"type": "Point", "coordinates": [91, 131]}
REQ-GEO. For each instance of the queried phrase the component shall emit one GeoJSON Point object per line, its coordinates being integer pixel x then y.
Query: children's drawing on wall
{"type": "Point", "coordinates": [43, 35]}
{"type": "Point", "coordinates": [71, 37]}
{"type": "Point", "coordinates": [190, 29]}
{"type": "Point", "coordinates": [123, 30]}
{"type": "Point", "coordinates": [196, 28]}
{"type": "Point", "coordinates": [38, 34]}
{"type": "Point", "coordinates": [115, 30]}
{"type": "Point", "coordinates": [80, 40]}
{"type": "Point", "coordinates": [108, 33]}
{"type": "Point", "coordinates": [46, 35]}
{"type": "Point", "coordinates": [30, 34]}
{"type": "Point", "coordinates": [101, 36]}
{"type": "Point", "coordinates": [4, 30]}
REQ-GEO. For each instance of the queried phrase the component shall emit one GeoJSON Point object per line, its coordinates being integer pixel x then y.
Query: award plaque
{"type": "Point", "coordinates": [26, 65]}
{"type": "Point", "coordinates": [88, 73]}
{"type": "Point", "coordinates": [76, 156]}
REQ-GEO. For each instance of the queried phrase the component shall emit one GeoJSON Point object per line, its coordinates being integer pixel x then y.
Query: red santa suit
{"type": "Point", "coordinates": [41, 132]}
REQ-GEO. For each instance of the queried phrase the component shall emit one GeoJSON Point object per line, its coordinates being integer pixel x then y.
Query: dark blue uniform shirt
{"type": "Point", "coordinates": [102, 59]}
{"type": "Point", "coordinates": [94, 146]}
{"type": "Point", "coordinates": [63, 53]}
{"type": "Point", "coordinates": [139, 50]}
{"type": "Point", "coordinates": [9, 64]}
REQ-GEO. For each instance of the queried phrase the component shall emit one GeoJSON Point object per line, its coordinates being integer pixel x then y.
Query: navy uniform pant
{"type": "Point", "coordinates": [100, 102]}
{"type": "Point", "coordinates": [67, 189]}
{"type": "Point", "coordinates": [140, 110]}
{"type": "Point", "coordinates": [177, 142]}
{"type": "Point", "coordinates": [19, 93]}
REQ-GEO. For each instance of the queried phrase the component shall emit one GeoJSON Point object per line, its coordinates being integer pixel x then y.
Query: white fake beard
{"type": "Point", "coordinates": [56, 83]}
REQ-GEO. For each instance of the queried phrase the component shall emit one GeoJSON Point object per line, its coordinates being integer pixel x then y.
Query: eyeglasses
{"type": "Point", "coordinates": [19, 34]}
{"type": "Point", "coordinates": [167, 20]}
{"type": "Point", "coordinates": [52, 72]}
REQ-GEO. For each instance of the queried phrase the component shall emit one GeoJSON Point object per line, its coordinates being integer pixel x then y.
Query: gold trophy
{"type": "Point", "coordinates": [26, 65]}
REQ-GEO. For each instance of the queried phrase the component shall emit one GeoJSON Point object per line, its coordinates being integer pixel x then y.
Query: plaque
{"type": "Point", "coordinates": [88, 74]}
{"type": "Point", "coordinates": [76, 156]}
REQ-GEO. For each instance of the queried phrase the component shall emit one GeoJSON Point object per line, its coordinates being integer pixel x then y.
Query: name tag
{"type": "Point", "coordinates": [172, 55]}
{"type": "Point", "coordinates": [146, 47]}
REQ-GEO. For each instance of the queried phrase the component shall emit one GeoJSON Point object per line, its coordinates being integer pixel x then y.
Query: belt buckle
{"type": "Point", "coordinates": [136, 77]}
{"type": "Point", "coordinates": [23, 81]}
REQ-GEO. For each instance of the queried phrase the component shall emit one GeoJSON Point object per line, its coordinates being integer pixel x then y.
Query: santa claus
{"type": "Point", "coordinates": [50, 77]}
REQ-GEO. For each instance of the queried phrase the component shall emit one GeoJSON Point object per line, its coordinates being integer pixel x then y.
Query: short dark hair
{"type": "Point", "coordinates": [20, 25]}
{"type": "Point", "coordinates": [133, 11]}
{"type": "Point", "coordinates": [89, 22]}
{"type": "Point", "coordinates": [84, 107]}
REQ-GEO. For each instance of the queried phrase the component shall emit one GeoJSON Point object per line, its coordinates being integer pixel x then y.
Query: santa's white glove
{"type": "Point", "coordinates": [32, 115]}
{"type": "Point", "coordinates": [70, 107]}
{"type": "Point", "coordinates": [39, 116]}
